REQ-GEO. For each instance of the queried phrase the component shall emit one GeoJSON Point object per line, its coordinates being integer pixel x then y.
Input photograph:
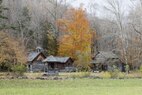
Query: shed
{"type": "Point", "coordinates": [59, 63]}
{"type": "Point", "coordinates": [104, 61]}
{"type": "Point", "coordinates": [35, 59]}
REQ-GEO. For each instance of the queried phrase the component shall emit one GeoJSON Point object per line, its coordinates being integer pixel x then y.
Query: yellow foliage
{"type": "Point", "coordinates": [11, 51]}
{"type": "Point", "coordinates": [76, 34]}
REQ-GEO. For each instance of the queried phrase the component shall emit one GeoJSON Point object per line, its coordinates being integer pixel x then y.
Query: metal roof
{"type": "Point", "coordinates": [98, 60]}
{"type": "Point", "coordinates": [106, 55]}
{"type": "Point", "coordinates": [56, 59]}
{"type": "Point", "coordinates": [102, 56]}
{"type": "Point", "coordinates": [32, 56]}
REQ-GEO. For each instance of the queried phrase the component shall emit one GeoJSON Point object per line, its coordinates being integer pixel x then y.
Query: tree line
{"type": "Point", "coordinates": [66, 31]}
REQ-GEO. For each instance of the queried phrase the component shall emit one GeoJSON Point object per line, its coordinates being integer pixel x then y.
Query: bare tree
{"type": "Point", "coordinates": [115, 8]}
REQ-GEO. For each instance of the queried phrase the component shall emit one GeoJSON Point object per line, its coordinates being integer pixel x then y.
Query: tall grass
{"type": "Point", "coordinates": [71, 87]}
{"type": "Point", "coordinates": [76, 74]}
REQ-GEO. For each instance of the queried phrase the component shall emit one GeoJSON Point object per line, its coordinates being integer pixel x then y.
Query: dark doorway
{"type": "Point", "coordinates": [52, 65]}
{"type": "Point", "coordinates": [104, 67]}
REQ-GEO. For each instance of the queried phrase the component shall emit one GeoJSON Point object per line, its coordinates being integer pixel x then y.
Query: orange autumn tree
{"type": "Point", "coordinates": [75, 39]}
{"type": "Point", "coordinates": [12, 52]}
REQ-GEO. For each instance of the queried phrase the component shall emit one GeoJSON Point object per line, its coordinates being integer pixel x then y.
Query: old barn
{"type": "Point", "coordinates": [58, 63]}
{"type": "Point", "coordinates": [105, 61]}
{"type": "Point", "coordinates": [35, 59]}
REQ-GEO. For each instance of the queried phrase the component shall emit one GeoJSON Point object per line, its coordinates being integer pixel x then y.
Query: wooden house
{"type": "Point", "coordinates": [105, 61]}
{"type": "Point", "coordinates": [35, 59]}
{"type": "Point", "coordinates": [58, 63]}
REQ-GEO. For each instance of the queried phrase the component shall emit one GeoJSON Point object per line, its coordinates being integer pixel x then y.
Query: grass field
{"type": "Point", "coordinates": [71, 87]}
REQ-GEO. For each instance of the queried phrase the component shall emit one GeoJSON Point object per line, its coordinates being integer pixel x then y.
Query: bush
{"type": "Point", "coordinates": [127, 68]}
{"type": "Point", "coordinates": [85, 74]}
{"type": "Point", "coordinates": [121, 75]}
{"type": "Point", "coordinates": [5, 66]}
{"type": "Point", "coordinates": [115, 72]}
{"type": "Point", "coordinates": [141, 68]}
{"type": "Point", "coordinates": [83, 62]}
{"type": "Point", "coordinates": [18, 70]}
{"type": "Point", "coordinates": [105, 75]}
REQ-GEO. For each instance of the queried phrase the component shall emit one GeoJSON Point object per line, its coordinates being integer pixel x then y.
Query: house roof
{"type": "Point", "coordinates": [98, 60]}
{"type": "Point", "coordinates": [56, 59]}
{"type": "Point", "coordinates": [33, 55]}
{"type": "Point", "coordinates": [102, 54]}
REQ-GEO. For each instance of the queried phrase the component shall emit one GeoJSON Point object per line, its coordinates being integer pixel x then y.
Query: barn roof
{"type": "Point", "coordinates": [56, 59]}
{"type": "Point", "coordinates": [33, 55]}
{"type": "Point", "coordinates": [98, 60]}
{"type": "Point", "coordinates": [103, 54]}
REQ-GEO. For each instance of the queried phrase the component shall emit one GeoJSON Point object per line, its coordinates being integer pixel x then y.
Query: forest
{"type": "Point", "coordinates": [63, 30]}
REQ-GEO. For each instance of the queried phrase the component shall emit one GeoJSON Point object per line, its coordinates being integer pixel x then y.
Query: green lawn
{"type": "Point", "coordinates": [71, 87]}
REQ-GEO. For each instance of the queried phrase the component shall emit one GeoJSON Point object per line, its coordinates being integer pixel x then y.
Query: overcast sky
{"type": "Point", "coordinates": [98, 5]}
{"type": "Point", "coordinates": [86, 3]}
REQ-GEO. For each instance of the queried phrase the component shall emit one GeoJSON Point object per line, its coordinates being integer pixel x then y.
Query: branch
{"type": "Point", "coordinates": [137, 31]}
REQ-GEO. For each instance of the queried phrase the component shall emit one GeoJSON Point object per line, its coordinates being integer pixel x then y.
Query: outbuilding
{"type": "Point", "coordinates": [35, 59]}
{"type": "Point", "coordinates": [59, 63]}
{"type": "Point", "coordinates": [105, 61]}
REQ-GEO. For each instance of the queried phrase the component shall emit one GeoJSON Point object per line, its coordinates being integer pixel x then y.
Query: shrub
{"type": "Point", "coordinates": [141, 68]}
{"type": "Point", "coordinates": [83, 62]}
{"type": "Point", "coordinates": [115, 72]}
{"type": "Point", "coordinates": [121, 75]}
{"type": "Point", "coordinates": [18, 70]}
{"type": "Point", "coordinates": [11, 51]}
{"type": "Point", "coordinates": [105, 75]}
{"type": "Point", "coordinates": [85, 74]}
{"type": "Point", "coordinates": [127, 68]}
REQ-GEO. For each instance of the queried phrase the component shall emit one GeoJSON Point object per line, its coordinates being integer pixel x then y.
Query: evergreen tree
{"type": "Point", "coordinates": [2, 17]}
{"type": "Point", "coordinates": [49, 40]}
